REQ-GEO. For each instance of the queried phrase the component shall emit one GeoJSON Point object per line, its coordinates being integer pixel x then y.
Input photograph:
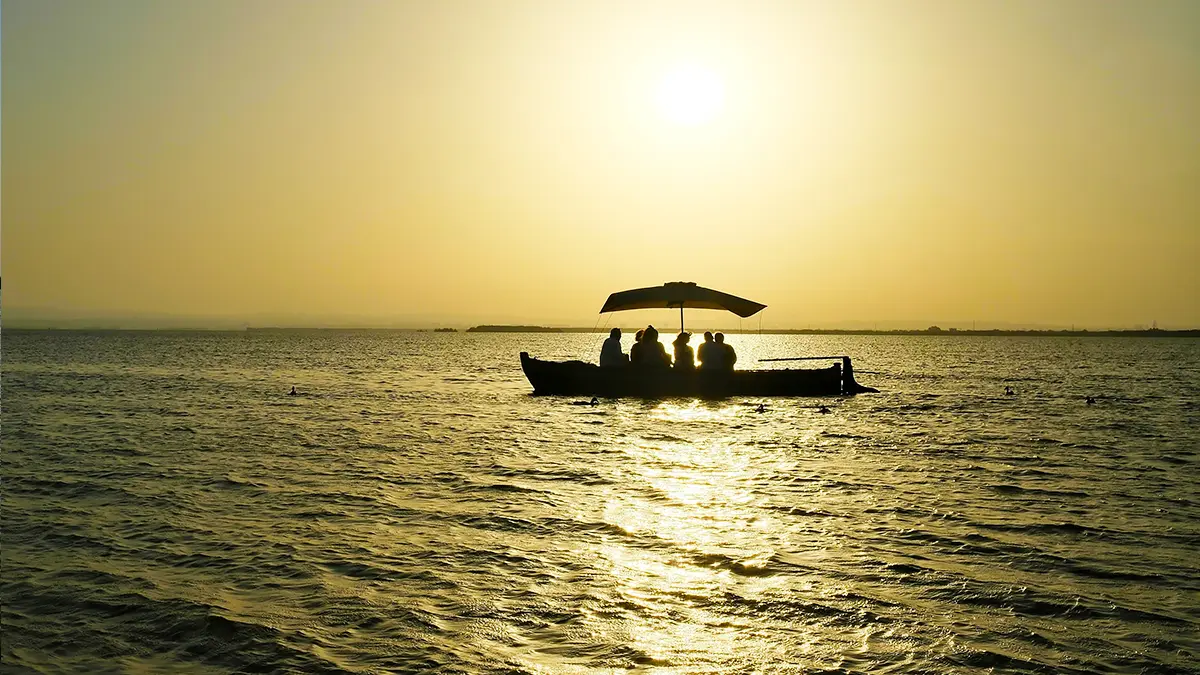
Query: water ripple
{"type": "Point", "coordinates": [168, 508]}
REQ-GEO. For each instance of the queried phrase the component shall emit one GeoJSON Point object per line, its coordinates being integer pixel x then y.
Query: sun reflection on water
{"type": "Point", "coordinates": [695, 411]}
{"type": "Point", "coordinates": [698, 538]}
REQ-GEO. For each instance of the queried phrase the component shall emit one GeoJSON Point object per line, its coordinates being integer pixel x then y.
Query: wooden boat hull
{"type": "Point", "coordinates": [577, 378]}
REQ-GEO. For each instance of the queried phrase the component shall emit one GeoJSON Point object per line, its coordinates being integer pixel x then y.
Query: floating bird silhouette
{"type": "Point", "coordinates": [594, 401]}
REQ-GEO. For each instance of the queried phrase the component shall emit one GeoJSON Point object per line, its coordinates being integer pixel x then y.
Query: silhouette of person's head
{"type": "Point", "coordinates": [682, 338]}
{"type": "Point", "coordinates": [708, 336]}
{"type": "Point", "coordinates": [651, 334]}
{"type": "Point", "coordinates": [720, 337]}
{"type": "Point", "coordinates": [637, 337]}
{"type": "Point", "coordinates": [616, 333]}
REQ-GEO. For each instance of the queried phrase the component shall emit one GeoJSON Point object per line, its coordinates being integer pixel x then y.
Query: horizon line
{"type": "Point", "coordinates": [532, 328]}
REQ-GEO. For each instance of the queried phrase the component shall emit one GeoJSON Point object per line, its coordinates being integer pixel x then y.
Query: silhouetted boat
{"type": "Point", "coordinates": [575, 378]}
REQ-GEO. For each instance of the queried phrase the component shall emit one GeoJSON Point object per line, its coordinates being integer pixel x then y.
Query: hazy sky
{"type": "Point", "coordinates": [910, 160]}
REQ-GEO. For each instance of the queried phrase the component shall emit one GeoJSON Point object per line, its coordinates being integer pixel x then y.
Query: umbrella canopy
{"type": "Point", "coordinates": [680, 294]}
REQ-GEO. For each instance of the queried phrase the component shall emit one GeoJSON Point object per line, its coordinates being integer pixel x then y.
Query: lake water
{"type": "Point", "coordinates": [168, 508]}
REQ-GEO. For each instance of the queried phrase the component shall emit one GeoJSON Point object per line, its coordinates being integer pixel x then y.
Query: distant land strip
{"type": "Point", "coordinates": [1139, 333]}
{"type": "Point", "coordinates": [932, 330]}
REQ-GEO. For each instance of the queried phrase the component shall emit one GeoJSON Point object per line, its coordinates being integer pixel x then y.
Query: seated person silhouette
{"type": "Point", "coordinates": [684, 358]}
{"type": "Point", "coordinates": [653, 354]}
{"type": "Point", "coordinates": [728, 356]}
{"type": "Point", "coordinates": [611, 354]}
{"type": "Point", "coordinates": [635, 352]}
{"type": "Point", "coordinates": [709, 354]}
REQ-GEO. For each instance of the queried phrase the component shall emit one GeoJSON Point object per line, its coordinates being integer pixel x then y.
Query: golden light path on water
{"type": "Point", "coordinates": [698, 501]}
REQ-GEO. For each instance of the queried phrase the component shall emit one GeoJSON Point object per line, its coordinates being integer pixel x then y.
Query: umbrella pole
{"type": "Point", "coordinates": [681, 318]}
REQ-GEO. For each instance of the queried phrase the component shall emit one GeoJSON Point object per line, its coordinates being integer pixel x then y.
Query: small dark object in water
{"type": "Point", "coordinates": [293, 392]}
{"type": "Point", "coordinates": [594, 401]}
{"type": "Point", "coordinates": [1008, 391]}
{"type": "Point", "coordinates": [824, 410]}
{"type": "Point", "coordinates": [1091, 400]}
{"type": "Point", "coordinates": [762, 408]}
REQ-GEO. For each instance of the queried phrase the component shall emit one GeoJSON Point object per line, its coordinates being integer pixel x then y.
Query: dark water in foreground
{"type": "Point", "coordinates": [167, 509]}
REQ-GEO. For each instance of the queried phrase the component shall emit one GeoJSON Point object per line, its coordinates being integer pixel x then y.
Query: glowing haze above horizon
{"type": "Point", "coordinates": [418, 163]}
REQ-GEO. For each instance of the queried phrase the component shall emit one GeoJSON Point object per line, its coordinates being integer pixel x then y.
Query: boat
{"type": "Point", "coordinates": [580, 378]}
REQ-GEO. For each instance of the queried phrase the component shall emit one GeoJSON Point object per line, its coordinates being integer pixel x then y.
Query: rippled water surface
{"type": "Point", "coordinates": [167, 508]}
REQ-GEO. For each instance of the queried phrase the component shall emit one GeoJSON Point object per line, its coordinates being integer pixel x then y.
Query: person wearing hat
{"type": "Point", "coordinates": [684, 358]}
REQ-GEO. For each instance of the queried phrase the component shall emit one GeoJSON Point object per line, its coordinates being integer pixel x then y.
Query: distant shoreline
{"type": "Point", "coordinates": [1151, 332]}
{"type": "Point", "coordinates": [949, 332]}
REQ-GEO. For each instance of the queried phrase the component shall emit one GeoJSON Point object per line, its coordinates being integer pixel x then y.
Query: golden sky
{"type": "Point", "coordinates": [909, 161]}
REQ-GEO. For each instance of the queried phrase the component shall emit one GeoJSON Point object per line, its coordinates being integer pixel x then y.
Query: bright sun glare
{"type": "Point", "coordinates": [691, 96]}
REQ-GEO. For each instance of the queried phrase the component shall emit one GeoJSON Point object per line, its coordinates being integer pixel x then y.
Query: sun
{"type": "Point", "coordinates": [690, 96]}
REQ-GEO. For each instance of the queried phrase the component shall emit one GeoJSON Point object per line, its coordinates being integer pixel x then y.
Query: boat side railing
{"type": "Point", "coordinates": [806, 358]}
{"type": "Point", "coordinates": [849, 385]}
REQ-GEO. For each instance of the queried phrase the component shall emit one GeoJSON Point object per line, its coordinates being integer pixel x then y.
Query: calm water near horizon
{"type": "Point", "coordinates": [168, 508]}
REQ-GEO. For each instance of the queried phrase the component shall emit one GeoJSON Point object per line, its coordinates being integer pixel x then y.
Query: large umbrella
{"type": "Point", "coordinates": [680, 294]}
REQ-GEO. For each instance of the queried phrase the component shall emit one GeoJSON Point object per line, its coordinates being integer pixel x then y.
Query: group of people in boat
{"type": "Point", "coordinates": [648, 352]}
